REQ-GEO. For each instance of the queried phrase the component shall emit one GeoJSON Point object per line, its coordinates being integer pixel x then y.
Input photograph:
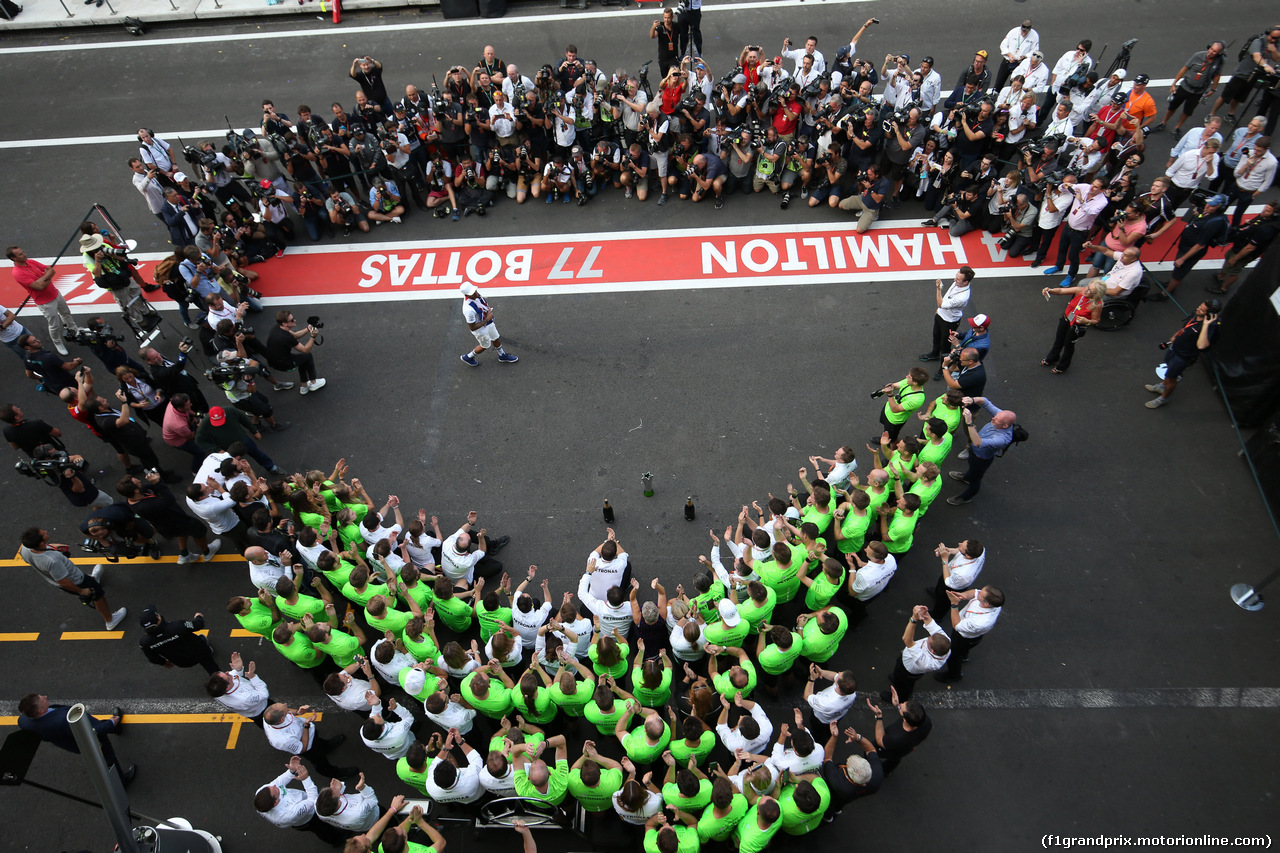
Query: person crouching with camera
{"type": "Point", "coordinates": [236, 374]}
{"type": "Point", "coordinates": [345, 211]}
{"type": "Point", "coordinates": [289, 347]}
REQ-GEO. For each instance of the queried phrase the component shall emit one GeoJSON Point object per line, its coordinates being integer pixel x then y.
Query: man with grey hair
{"type": "Point", "coordinates": [633, 103]}
{"type": "Point", "coordinates": [1195, 81]}
{"type": "Point", "coordinates": [858, 777]}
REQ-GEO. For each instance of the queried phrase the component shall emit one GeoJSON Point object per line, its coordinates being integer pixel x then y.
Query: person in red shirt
{"type": "Point", "coordinates": [37, 280]}
{"type": "Point", "coordinates": [787, 117]}
{"type": "Point", "coordinates": [749, 61]}
{"type": "Point", "coordinates": [1084, 310]}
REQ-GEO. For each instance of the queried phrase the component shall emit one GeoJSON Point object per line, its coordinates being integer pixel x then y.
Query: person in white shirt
{"type": "Point", "coordinates": [930, 85]}
{"type": "Point", "coordinates": [1192, 167]}
{"type": "Point", "coordinates": [1253, 175]}
{"type": "Point", "coordinates": [1018, 44]}
{"type": "Point", "coordinates": [810, 49]}
{"type": "Point", "coordinates": [843, 465]}
{"type": "Point", "coordinates": [949, 309]}
{"type": "Point", "coordinates": [1062, 122]}
{"type": "Point", "coordinates": [351, 693]}
{"type": "Point", "coordinates": [1086, 159]}
{"type": "Point", "coordinates": [1057, 202]}
{"type": "Point", "coordinates": [509, 83]}
{"type": "Point", "coordinates": [961, 566]}
{"type": "Point", "coordinates": [1196, 137]}
{"type": "Point", "coordinates": [802, 755]}
{"type": "Point", "coordinates": [1067, 66]}
{"type": "Point", "coordinates": [1124, 275]}
{"type": "Point", "coordinates": [240, 690]}
{"type": "Point", "coordinates": [289, 808]}
{"type": "Point", "coordinates": [569, 620]}
{"type": "Point", "coordinates": [1090, 200]}
{"type": "Point", "coordinates": [450, 711]}
{"type": "Point", "coordinates": [973, 615]}
{"type": "Point", "coordinates": [688, 637]}
{"type": "Point", "coordinates": [928, 654]}
{"type": "Point", "coordinates": [502, 119]}
{"type": "Point", "coordinates": [420, 544]}
{"type": "Point", "coordinates": [450, 783]}
{"type": "Point", "coordinates": [374, 529]}
{"type": "Point", "coordinates": [752, 732]}
{"type": "Point", "coordinates": [870, 576]}
{"type": "Point", "coordinates": [762, 778]}
{"type": "Point", "coordinates": [831, 704]}
{"type": "Point", "coordinates": [498, 775]}
{"type": "Point", "coordinates": [355, 812]}
{"type": "Point", "coordinates": [265, 569]}
{"type": "Point", "coordinates": [293, 731]}
{"type": "Point", "coordinates": [390, 657]}
{"type": "Point", "coordinates": [1034, 73]}
{"type": "Point", "coordinates": [460, 563]}
{"type": "Point", "coordinates": [614, 610]}
{"type": "Point", "coordinates": [528, 614]}
{"type": "Point", "coordinates": [144, 181]}
{"type": "Point", "coordinates": [390, 739]}
{"type": "Point", "coordinates": [608, 565]}
{"type": "Point", "coordinates": [211, 504]}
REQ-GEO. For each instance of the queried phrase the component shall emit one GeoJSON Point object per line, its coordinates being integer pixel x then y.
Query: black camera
{"type": "Point", "coordinates": [228, 371]}
{"type": "Point", "coordinates": [314, 322]}
{"type": "Point", "coordinates": [898, 118]}
{"type": "Point", "coordinates": [115, 549]}
{"type": "Point", "coordinates": [880, 393]}
{"type": "Point", "coordinates": [95, 334]}
{"type": "Point", "coordinates": [689, 102]}
{"type": "Point", "coordinates": [197, 157]}
{"type": "Point", "coordinates": [51, 468]}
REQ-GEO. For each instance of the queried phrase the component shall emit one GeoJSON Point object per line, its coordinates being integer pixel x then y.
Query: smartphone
{"type": "Point", "coordinates": [713, 767]}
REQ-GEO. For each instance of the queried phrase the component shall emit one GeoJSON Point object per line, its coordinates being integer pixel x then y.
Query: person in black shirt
{"type": "Point", "coordinates": [900, 738]}
{"type": "Point", "coordinates": [1249, 244]}
{"type": "Point", "coordinates": [367, 71]}
{"type": "Point", "coordinates": [51, 370]}
{"type": "Point", "coordinates": [973, 136]}
{"type": "Point", "coordinates": [26, 435]}
{"type": "Point", "coordinates": [1204, 231]}
{"type": "Point", "coordinates": [286, 350]}
{"type": "Point", "coordinates": [668, 40]}
{"type": "Point", "coordinates": [122, 433]}
{"type": "Point", "coordinates": [858, 777]}
{"type": "Point", "coordinates": [1184, 348]}
{"type": "Point", "coordinates": [76, 486]}
{"type": "Point", "coordinates": [971, 378]}
{"type": "Point", "coordinates": [152, 500]}
{"type": "Point", "coordinates": [171, 644]}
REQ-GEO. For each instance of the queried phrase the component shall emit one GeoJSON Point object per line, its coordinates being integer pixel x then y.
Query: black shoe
{"type": "Point", "coordinates": [118, 712]}
{"type": "Point", "coordinates": [937, 377]}
{"type": "Point", "coordinates": [468, 211]}
{"type": "Point", "coordinates": [480, 211]}
{"type": "Point", "coordinates": [1218, 289]}
{"type": "Point", "coordinates": [1158, 297]}
{"type": "Point", "coordinates": [929, 356]}
{"type": "Point", "coordinates": [947, 678]}
{"type": "Point", "coordinates": [127, 776]}
{"type": "Point", "coordinates": [153, 550]}
{"type": "Point", "coordinates": [498, 544]}
{"type": "Point", "coordinates": [281, 426]}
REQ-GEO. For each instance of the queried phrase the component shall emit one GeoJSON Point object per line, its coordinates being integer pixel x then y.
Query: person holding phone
{"type": "Point", "coordinates": [1184, 348]}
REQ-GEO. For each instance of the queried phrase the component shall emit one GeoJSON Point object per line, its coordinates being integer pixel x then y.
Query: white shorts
{"type": "Point", "coordinates": [486, 335]}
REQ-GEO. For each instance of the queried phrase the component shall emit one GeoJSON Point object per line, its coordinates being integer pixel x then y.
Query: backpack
{"type": "Point", "coordinates": [1019, 435]}
{"type": "Point", "coordinates": [1248, 43]}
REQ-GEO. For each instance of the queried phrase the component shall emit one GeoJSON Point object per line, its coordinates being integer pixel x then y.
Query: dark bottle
{"type": "Point", "coordinates": [688, 509]}
{"type": "Point", "coordinates": [608, 512]}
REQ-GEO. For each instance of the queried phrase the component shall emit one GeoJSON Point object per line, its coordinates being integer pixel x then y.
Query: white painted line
{"type": "Point", "coordinates": [9, 707]}
{"type": "Point", "coordinates": [348, 32]}
{"type": "Point", "coordinates": [1096, 699]}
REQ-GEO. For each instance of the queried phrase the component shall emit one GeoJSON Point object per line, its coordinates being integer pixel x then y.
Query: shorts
{"type": "Point", "coordinates": [658, 160]}
{"type": "Point", "coordinates": [1175, 364]}
{"type": "Point", "coordinates": [1187, 100]}
{"type": "Point", "coordinates": [441, 193]}
{"type": "Point", "coordinates": [487, 335]}
{"type": "Point", "coordinates": [1237, 89]}
{"type": "Point", "coordinates": [96, 592]}
{"type": "Point", "coordinates": [1238, 267]}
{"type": "Point", "coordinates": [894, 171]}
{"type": "Point", "coordinates": [824, 193]}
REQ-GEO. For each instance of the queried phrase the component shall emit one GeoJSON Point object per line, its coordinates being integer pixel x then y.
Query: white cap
{"type": "Point", "coordinates": [792, 513]}
{"type": "Point", "coordinates": [468, 289]}
{"type": "Point", "coordinates": [1121, 73]}
{"type": "Point", "coordinates": [179, 177]}
{"type": "Point", "coordinates": [729, 613]}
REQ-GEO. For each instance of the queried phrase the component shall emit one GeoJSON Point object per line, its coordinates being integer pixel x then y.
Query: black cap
{"type": "Point", "coordinates": [149, 617]}
{"type": "Point", "coordinates": [1141, 80]}
{"type": "Point", "coordinates": [1214, 305]}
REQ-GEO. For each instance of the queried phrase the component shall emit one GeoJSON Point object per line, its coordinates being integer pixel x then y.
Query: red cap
{"type": "Point", "coordinates": [217, 416]}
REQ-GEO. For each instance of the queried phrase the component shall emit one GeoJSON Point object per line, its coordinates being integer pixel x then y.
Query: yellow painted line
{"type": "Point", "coordinates": [241, 632]}
{"type": "Point", "coordinates": [203, 632]}
{"type": "Point", "coordinates": [19, 637]}
{"type": "Point", "coordinates": [235, 734]}
{"type": "Point", "coordinates": [92, 635]}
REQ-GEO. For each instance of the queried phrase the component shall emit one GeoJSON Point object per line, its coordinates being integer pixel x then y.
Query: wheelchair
{"type": "Point", "coordinates": [1118, 311]}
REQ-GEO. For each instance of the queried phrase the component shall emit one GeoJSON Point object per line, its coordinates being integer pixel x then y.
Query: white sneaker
{"type": "Point", "coordinates": [303, 389]}
{"type": "Point", "coordinates": [964, 454]}
{"type": "Point", "coordinates": [183, 559]}
{"type": "Point", "coordinates": [96, 574]}
{"type": "Point", "coordinates": [395, 219]}
{"type": "Point", "coordinates": [117, 618]}
{"type": "Point", "coordinates": [213, 550]}
{"type": "Point", "coordinates": [316, 385]}
{"type": "Point", "coordinates": [61, 348]}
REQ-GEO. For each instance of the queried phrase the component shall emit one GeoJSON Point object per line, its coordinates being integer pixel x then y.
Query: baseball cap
{"type": "Point", "coordinates": [1218, 200]}
{"type": "Point", "coordinates": [979, 321]}
{"type": "Point", "coordinates": [982, 53]}
{"type": "Point", "coordinates": [149, 618]}
{"type": "Point", "coordinates": [1120, 73]}
{"type": "Point", "coordinates": [729, 613]}
{"type": "Point", "coordinates": [1141, 80]}
{"type": "Point", "coordinates": [468, 289]}
{"type": "Point", "coordinates": [1037, 54]}
{"type": "Point", "coordinates": [264, 184]}
{"type": "Point", "coordinates": [217, 415]}
{"type": "Point", "coordinates": [739, 78]}
{"type": "Point", "coordinates": [1119, 97]}
{"type": "Point", "coordinates": [179, 177]}
{"type": "Point", "coordinates": [905, 57]}
{"type": "Point", "coordinates": [777, 60]}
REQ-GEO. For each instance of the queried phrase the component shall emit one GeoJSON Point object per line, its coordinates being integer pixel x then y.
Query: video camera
{"type": "Point", "coordinates": [894, 119]}
{"type": "Point", "coordinates": [94, 334]}
{"type": "Point", "coordinates": [115, 549]}
{"type": "Point", "coordinates": [51, 468]}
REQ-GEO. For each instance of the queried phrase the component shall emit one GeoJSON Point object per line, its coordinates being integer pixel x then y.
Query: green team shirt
{"type": "Point", "coordinates": [775, 661]}
{"type": "Point", "coordinates": [822, 590]}
{"type": "Point", "coordinates": [605, 722]}
{"type": "Point", "coordinates": [753, 614]}
{"type": "Point", "coordinates": [419, 592]}
{"type": "Point", "coordinates": [415, 779]}
{"type": "Point", "coordinates": [656, 697]}
{"type": "Point", "coordinates": [315, 521]}
{"type": "Point", "coordinates": [301, 651]}
{"type": "Point", "coordinates": [821, 516]}
{"type": "Point", "coordinates": [557, 784]}
{"type": "Point", "coordinates": [901, 532]}
{"type": "Point", "coordinates": [495, 704]}
{"type": "Point", "coordinates": [671, 796]}
{"type": "Point", "coordinates": [722, 635]}
{"type": "Point", "coordinates": [618, 670]}
{"type": "Point", "coordinates": [340, 574]}
{"type": "Point", "coordinates": [393, 621]}
{"type": "Point", "coordinates": [877, 500]}
{"type": "Point", "coordinates": [783, 580]}
{"type": "Point", "coordinates": [796, 822]}
{"type": "Point", "coordinates": [897, 465]}
{"type": "Point", "coordinates": [680, 749]}
{"type": "Point", "coordinates": [751, 838]}
{"type": "Point", "coordinates": [951, 417]}
{"type": "Point", "coordinates": [350, 535]}
{"type": "Point", "coordinates": [906, 398]}
{"type": "Point", "coordinates": [361, 597]}
{"type": "Point", "coordinates": [543, 709]}
{"type": "Point", "coordinates": [412, 847]}
{"type": "Point", "coordinates": [430, 684]}
{"type": "Point", "coordinates": [712, 828]}
{"type": "Point", "coordinates": [707, 601]}
{"type": "Point", "coordinates": [342, 647]}
{"type": "Point", "coordinates": [686, 836]}
{"type": "Point", "coordinates": [599, 798]}
{"type": "Point", "coordinates": [258, 619]}
{"type": "Point", "coordinates": [422, 648]}
{"type": "Point", "coordinates": [573, 704]}
{"type": "Point", "coordinates": [936, 453]}
{"type": "Point", "coordinates": [819, 647]}
{"type": "Point", "coordinates": [725, 688]}
{"type": "Point", "coordinates": [533, 739]}
{"type": "Point", "coordinates": [454, 613]}
{"type": "Point", "coordinates": [639, 749]}
{"type": "Point", "coordinates": [928, 493]}
{"type": "Point", "coordinates": [853, 529]}
{"type": "Point", "coordinates": [489, 620]}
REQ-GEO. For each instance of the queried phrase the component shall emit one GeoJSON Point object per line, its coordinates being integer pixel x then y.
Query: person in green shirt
{"type": "Point", "coordinates": [926, 484]}
{"type": "Point", "coordinates": [739, 679]}
{"type": "Point", "coordinates": [777, 650]}
{"type": "Point", "coordinates": [663, 837]}
{"type": "Point", "coordinates": [594, 779]}
{"type": "Point", "coordinates": [451, 607]}
{"type": "Point", "coordinates": [759, 825]}
{"type": "Point", "coordinates": [492, 700]}
{"type": "Point", "coordinates": [949, 407]}
{"type": "Point", "coordinates": [758, 606]}
{"type": "Point", "coordinates": [651, 679]}
{"type": "Point", "coordinates": [781, 574]}
{"type": "Point", "coordinates": [258, 615]}
{"type": "Point", "coordinates": [411, 585]}
{"type": "Point", "coordinates": [357, 589]}
{"type": "Point", "coordinates": [687, 788]}
{"type": "Point", "coordinates": [532, 696]}
{"type": "Point", "coordinates": [877, 489]}
{"type": "Point", "coordinates": [898, 527]}
{"type": "Point", "coordinates": [804, 802]}
{"type": "Point", "coordinates": [818, 506]}
{"type": "Point", "coordinates": [491, 611]}
{"type": "Point", "coordinates": [419, 637]}
{"type": "Point", "coordinates": [730, 629]}
{"type": "Point", "coordinates": [822, 632]}
{"type": "Point", "coordinates": [853, 522]}
{"type": "Point", "coordinates": [608, 654]}
{"type": "Point", "coordinates": [697, 742]}
{"type": "Point", "coordinates": [414, 766]}
{"type": "Point", "coordinates": [347, 524]}
{"type": "Point", "coordinates": [645, 744]}
{"type": "Point", "coordinates": [382, 616]}
{"type": "Point", "coordinates": [335, 570]}
{"type": "Point", "coordinates": [900, 455]}
{"type": "Point", "coordinates": [902, 399]}
{"type": "Point", "coordinates": [603, 711]}
{"type": "Point", "coordinates": [709, 591]}
{"type": "Point", "coordinates": [728, 808]}
{"type": "Point", "coordinates": [823, 587]}
{"type": "Point", "coordinates": [339, 645]}
{"type": "Point", "coordinates": [570, 694]}
{"type": "Point", "coordinates": [396, 839]}
{"type": "Point", "coordinates": [290, 640]}
{"type": "Point", "coordinates": [937, 441]}
{"type": "Point", "coordinates": [534, 779]}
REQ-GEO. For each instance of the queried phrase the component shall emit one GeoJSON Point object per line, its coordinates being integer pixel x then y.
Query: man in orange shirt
{"type": "Point", "coordinates": [1140, 104]}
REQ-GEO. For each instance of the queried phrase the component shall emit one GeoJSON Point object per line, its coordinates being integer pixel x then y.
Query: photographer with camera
{"type": "Point", "coordinates": [218, 171]}
{"type": "Point", "coordinates": [289, 347]}
{"type": "Point", "coordinates": [1000, 195]}
{"type": "Point", "coordinates": [51, 371]}
{"type": "Point", "coordinates": [384, 202]}
{"type": "Point", "coordinates": [635, 171]}
{"type": "Point", "coordinates": [470, 187]}
{"type": "Point", "coordinates": [367, 72]}
{"type": "Point", "coordinates": [656, 138]}
{"type": "Point", "coordinates": [114, 531]}
{"type": "Point", "coordinates": [902, 138]}
{"type": "Point", "coordinates": [315, 215]}
{"type": "Point", "coordinates": [867, 197]}
{"type": "Point", "coordinates": [668, 37]}
{"type": "Point", "coordinates": [1018, 218]}
{"type": "Point", "coordinates": [345, 211]}
{"type": "Point", "coordinates": [145, 181]}
{"type": "Point", "coordinates": [1247, 245]}
{"type": "Point", "coordinates": [231, 337]}
{"type": "Point", "coordinates": [830, 168]}
{"type": "Point", "coordinates": [67, 471]}
{"type": "Point", "coordinates": [1090, 200]}
{"type": "Point", "coordinates": [123, 433]}
{"type": "Point", "coordinates": [974, 132]}
{"type": "Point", "coordinates": [53, 564]}
{"type": "Point", "coordinates": [139, 393]}
{"type": "Point", "coordinates": [235, 374]}
{"type": "Point", "coordinates": [223, 247]}
{"type": "Point", "coordinates": [523, 171]}
{"type": "Point", "coordinates": [1058, 198]}
{"type": "Point", "coordinates": [706, 176]}
{"type": "Point", "coordinates": [960, 211]}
